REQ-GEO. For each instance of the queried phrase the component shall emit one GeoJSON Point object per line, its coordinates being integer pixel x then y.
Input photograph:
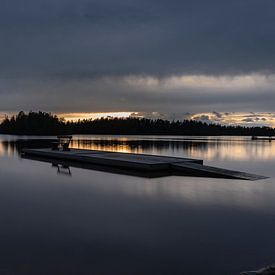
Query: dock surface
{"type": "Point", "coordinates": [140, 162]}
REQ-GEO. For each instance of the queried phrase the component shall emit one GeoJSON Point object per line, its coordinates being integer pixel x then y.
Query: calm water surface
{"type": "Point", "coordinates": [75, 221]}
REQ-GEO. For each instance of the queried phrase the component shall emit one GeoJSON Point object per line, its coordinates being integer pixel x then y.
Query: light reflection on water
{"type": "Point", "coordinates": [97, 222]}
{"type": "Point", "coordinates": [209, 148]}
{"type": "Point", "coordinates": [235, 148]}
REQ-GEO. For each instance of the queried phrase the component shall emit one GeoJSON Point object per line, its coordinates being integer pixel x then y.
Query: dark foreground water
{"type": "Point", "coordinates": [56, 220]}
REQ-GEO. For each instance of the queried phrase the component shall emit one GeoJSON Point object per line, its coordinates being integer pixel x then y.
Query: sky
{"type": "Point", "coordinates": [171, 59]}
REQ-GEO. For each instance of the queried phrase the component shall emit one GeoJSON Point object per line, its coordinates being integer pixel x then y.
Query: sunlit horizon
{"type": "Point", "coordinates": [81, 116]}
{"type": "Point", "coordinates": [247, 119]}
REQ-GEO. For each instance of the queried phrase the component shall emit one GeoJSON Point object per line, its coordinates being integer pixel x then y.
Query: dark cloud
{"type": "Point", "coordinates": [248, 120]}
{"type": "Point", "coordinates": [91, 37]}
{"type": "Point", "coordinates": [203, 118]}
{"type": "Point", "coordinates": [57, 54]}
{"type": "Point", "coordinates": [218, 115]}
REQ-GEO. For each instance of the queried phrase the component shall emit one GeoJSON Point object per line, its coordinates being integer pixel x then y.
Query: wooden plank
{"type": "Point", "coordinates": [126, 160]}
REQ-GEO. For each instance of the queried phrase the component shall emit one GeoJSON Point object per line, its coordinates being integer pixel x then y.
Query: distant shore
{"type": "Point", "coordinates": [42, 123]}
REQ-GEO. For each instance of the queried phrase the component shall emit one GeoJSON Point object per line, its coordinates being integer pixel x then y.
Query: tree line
{"type": "Point", "coordinates": [43, 123]}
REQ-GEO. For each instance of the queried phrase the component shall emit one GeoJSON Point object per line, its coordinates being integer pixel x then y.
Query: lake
{"type": "Point", "coordinates": [67, 220]}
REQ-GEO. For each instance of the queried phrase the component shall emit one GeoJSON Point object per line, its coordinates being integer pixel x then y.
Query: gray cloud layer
{"type": "Point", "coordinates": [85, 37]}
{"type": "Point", "coordinates": [56, 48]}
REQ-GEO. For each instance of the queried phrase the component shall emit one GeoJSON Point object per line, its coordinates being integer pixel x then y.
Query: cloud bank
{"type": "Point", "coordinates": [141, 94]}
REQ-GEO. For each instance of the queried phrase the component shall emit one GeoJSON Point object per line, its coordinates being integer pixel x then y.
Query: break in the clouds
{"type": "Point", "coordinates": [137, 56]}
{"type": "Point", "coordinates": [236, 118]}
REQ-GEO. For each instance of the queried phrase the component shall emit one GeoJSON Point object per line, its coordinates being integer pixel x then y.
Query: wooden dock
{"type": "Point", "coordinates": [136, 162]}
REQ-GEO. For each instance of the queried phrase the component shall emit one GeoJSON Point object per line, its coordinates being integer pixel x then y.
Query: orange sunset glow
{"type": "Point", "coordinates": [80, 116]}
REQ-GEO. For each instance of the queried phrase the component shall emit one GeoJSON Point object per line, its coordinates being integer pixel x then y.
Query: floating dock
{"type": "Point", "coordinates": [135, 162]}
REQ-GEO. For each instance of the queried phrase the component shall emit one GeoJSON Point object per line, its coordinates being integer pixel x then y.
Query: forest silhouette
{"type": "Point", "coordinates": [43, 123]}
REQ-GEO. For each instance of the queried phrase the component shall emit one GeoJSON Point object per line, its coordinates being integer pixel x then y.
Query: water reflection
{"type": "Point", "coordinates": [62, 169]}
{"type": "Point", "coordinates": [14, 147]}
{"type": "Point", "coordinates": [136, 146]}
{"type": "Point", "coordinates": [235, 148]}
{"type": "Point", "coordinates": [239, 149]}
{"type": "Point", "coordinates": [101, 223]}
